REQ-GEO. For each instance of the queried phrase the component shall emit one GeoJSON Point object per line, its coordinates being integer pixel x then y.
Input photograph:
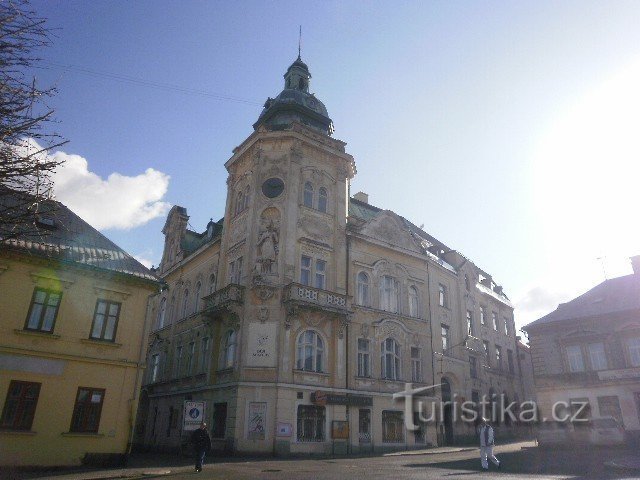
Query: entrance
{"type": "Point", "coordinates": [447, 411]}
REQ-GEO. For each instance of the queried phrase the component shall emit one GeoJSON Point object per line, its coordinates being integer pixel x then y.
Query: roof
{"type": "Point", "coordinates": [57, 233]}
{"type": "Point", "coordinates": [192, 241]}
{"type": "Point", "coordinates": [611, 296]}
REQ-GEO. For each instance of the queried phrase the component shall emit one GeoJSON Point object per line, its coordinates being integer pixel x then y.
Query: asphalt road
{"type": "Point", "coordinates": [517, 463]}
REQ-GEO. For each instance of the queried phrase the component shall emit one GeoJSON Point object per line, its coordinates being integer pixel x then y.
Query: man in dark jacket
{"type": "Point", "coordinates": [201, 444]}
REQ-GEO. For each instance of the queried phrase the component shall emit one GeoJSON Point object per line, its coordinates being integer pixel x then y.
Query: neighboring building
{"type": "Point", "coordinates": [300, 313]}
{"type": "Point", "coordinates": [587, 351]}
{"type": "Point", "coordinates": [73, 341]}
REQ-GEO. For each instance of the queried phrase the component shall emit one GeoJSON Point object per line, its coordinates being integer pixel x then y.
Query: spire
{"type": "Point", "coordinates": [299, 42]}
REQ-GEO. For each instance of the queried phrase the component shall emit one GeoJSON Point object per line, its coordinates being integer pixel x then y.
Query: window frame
{"type": "Point", "coordinates": [45, 306]}
{"type": "Point", "coordinates": [442, 295]}
{"type": "Point", "coordinates": [471, 331]}
{"type": "Point", "coordinates": [316, 416]}
{"type": "Point", "coordinates": [229, 349]}
{"type": "Point", "coordinates": [320, 274]}
{"type": "Point", "coordinates": [494, 320]}
{"type": "Point", "coordinates": [445, 333]}
{"type": "Point", "coordinates": [155, 367]}
{"type": "Point", "coordinates": [483, 316]}
{"type": "Point", "coordinates": [397, 419]}
{"type": "Point", "coordinates": [306, 270]}
{"type": "Point", "coordinates": [235, 271]}
{"type": "Point", "coordinates": [395, 355]}
{"type": "Point", "coordinates": [21, 421]}
{"type": "Point", "coordinates": [574, 352]}
{"type": "Point", "coordinates": [162, 313]}
{"type": "Point", "coordinates": [473, 367]}
{"type": "Point", "coordinates": [364, 358]}
{"type": "Point", "coordinates": [498, 353]}
{"type": "Point", "coordinates": [105, 321]}
{"type": "Point", "coordinates": [389, 294]}
{"type": "Point", "coordinates": [317, 348]}
{"type": "Point", "coordinates": [416, 364]}
{"type": "Point", "coordinates": [307, 194]}
{"type": "Point", "coordinates": [83, 428]}
{"type": "Point", "coordinates": [364, 288]}
{"type": "Point", "coordinates": [323, 196]}
{"type": "Point", "coordinates": [414, 302]}
{"type": "Point", "coordinates": [204, 353]}
{"type": "Point", "coordinates": [633, 351]}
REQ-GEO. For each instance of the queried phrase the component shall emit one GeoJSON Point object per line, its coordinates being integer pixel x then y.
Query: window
{"type": "Point", "coordinates": [466, 282]}
{"type": "Point", "coordinates": [485, 344]}
{"type": "Point", "coordinates": [308, 195]}
{"type": "Point", "coordinates": [172, 306]}
{"type": "Point", "coordinates": [247, 196]}
{"type": "Point", "coordinates": [473, 367]}
{"type": "Point", "coordinates": [494, 319]}
{"type": "Point", "coordinates": [20, 405]}
{"type": "Point", "coordinates": [392, 426]}
{"type": "Point", "coordinates": [574, 358]}
{"type": "Point", "coordinates": [43, 310]}
{"type": "Point", "coordinates": [413, 301]}
{"type": "Point", "coordinates": [388, 294]}
{"type": "Point", "coordinates": [196, 298]}
{"type": "Point", "coordinates": [155, 367]}
{"type": "Point", "coordinates": [390, 359]}
{"type": "Point", "coordinates": [442, 295]}
{"type": "Point", "coordinates": [364, 358]}
{"type": "Point", "coordinates": [310, 352]}
{"type": "Point", "coordinates": [499, 357]}
{"type": "Point", "coordinates": [305, 270]}
{"type": "Point", "coordinates": [444, 330]}
{"type": "Point", "coordinates": [229, 349]}
{"type": "Point", "coordinates": [235, 270]}
{"type": "Point", "coordinates": [105, 320]}
{"type": "Point", "coordinates": [204, 353]}
{"type": "Point", "coordinates": [191, 350]}
{"type": "Point", "coordinates": [510, 361]}
{"type": "Point", "coordinates": [185, 304]}
{"type": "Point", "coordinates": [363, 289]}
{"type": "Point", "coordinates": [416, 365]}
{"type": "Point", "coordinates": [162, 312]}
{"type": "Point", "coordinates": [321, 267]}
{"type": "Point", "coordinates": [322, 199]}
{"type": "Point", "coordinates": [310, 423]}
{"type": "Point", "coordinates": [86, 412]}
{"type": "Point", "coordinates": [597, 356]}
{"type": "Point", "coordinates": [364, 425]}
{"type": "Point", "coordinates": [178, 362]}
{"type": "Point", "coordinates": [470, 329]}
{"type": "Point", "coordinates": [212, 283]}
{"type": "Point", "coordinates": [239, 202]}
{"type": "Point", "coordinates": [506, 326]}
{"type": "Point", "coordinates": [219, 427]}
{"type": "Point", "coordinates": [483, 316]}
{"type": "Point", "coordinates": [634, 351]}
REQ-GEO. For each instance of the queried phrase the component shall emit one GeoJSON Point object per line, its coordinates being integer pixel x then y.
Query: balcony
{"type": "Point", "coordinates": [298, 295]}
{"type": "Point", "coordinates": [224, 300]}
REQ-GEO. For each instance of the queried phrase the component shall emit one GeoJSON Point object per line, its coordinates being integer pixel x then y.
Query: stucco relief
{"type": "Point", "coordinates": [316, 228]}
{"type": "Point", "coordinates": [267, 246]}
{"type": "Point", "coordinates": [238, 230]}
{"type": "Point", "coordinates": [388, 227]}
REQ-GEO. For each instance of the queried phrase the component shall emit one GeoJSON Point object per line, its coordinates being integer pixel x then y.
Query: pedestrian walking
{"type": "Point", "coordinates": [487, 441]}
{"type": "Point", "coordinates": [201, 444]}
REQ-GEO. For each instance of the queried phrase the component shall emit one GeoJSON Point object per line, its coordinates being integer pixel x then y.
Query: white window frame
{"type": "Point", "coordinates": [416, 364]}
{"type": "Point", "coordinates": [313, 343]}
{"type": "Point", "coordinates": [633, 345]}
{"type": "Point", "coordinates": [364, 284]}
{"type": "Point", "coordinates": [597, 356]}
{"type": "Point", "coordinates": [414, 304]}
{"type": "Point", "coordinates": [320, 276]}
{"type": "Point", "coordinates": [323, 200]}
{"type": "Point", "coordinates": [235, 271]}
{"type": "Point", "coordinates": [388, 294]}
{"type": "Point", "coordinates": [470, 326]}
{"type": "Point", "coordinates": [155, 367]}
{"type": "Point", "coordinates": [162, 313]}
{"type": "Point", "coordinates": [575, 358]}
{"type": "Point", "coordinates": [483, 315]}
{"type": "Point", "coordinates": [229, 349]}
{"type": "Point", "coordinates": [445, 333]}
{"type": "Point", "coordinates": [443, 301]}
{"type": "Point", "coordinates": [391, 352]}
{"type": "Point", "coordinates": [306, 263]}
{"type": "Point", "coordinates": [494, 319]}
{"type": "Point", "coordinates": [364, 357]}
{"type": "Point", "coordinates": [308, 194]}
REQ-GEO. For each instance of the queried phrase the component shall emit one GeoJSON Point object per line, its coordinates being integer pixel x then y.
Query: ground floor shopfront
{"type": "Point", "coordinates": [255, 418]}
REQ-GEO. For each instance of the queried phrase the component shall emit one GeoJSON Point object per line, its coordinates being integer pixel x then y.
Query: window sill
{"type": "Point", "coordinates": [36, 333]}
{"type": "Point", "coordinates": [225, 370]}
{"type": "Point", "coordinates": [105, 343]}
{"type": "Point", "coordinates": [82, 434]}
{"type": "Point", "coordinates": [164, 327]}
{"type": "Point", "coordinates": [7, 431]}
{"type": "Point", "coordinates": [310, 372]}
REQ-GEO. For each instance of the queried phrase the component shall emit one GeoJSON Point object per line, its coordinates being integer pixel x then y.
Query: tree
{"type": "Point", "coordinates": [25, 167]}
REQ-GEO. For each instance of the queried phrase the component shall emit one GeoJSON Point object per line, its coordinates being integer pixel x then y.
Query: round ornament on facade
{"type": "Point", "coordinates": [272, 187]}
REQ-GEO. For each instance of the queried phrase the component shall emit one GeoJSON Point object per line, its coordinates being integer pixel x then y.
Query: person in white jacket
{"type": "Point", "coordinates": [487, 440]}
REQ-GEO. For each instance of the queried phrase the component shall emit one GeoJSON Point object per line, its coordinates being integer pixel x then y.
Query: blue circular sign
{"type": "Point", "coordinates": [194, 413]}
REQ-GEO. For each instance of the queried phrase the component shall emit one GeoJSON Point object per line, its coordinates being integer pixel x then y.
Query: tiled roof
{"type": "Point", "coordinates": [611, 296]}
{"type": "Point", "coordinates": [192, 241]}
{"type": "Point", "coordinates": [58, 233]}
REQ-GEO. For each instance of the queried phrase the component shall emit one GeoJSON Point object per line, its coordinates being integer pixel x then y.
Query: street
{"type": "Point", "coordinates": [527, 463]}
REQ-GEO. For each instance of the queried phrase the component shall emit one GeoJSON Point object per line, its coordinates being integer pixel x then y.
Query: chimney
{"type": "Point", "coordinates": [635, 263]}
{"type": "Point", "coordinates": [361, 197]}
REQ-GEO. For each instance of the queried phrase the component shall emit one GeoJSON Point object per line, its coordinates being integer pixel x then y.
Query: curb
{"type": "Point", "coordinates": [623, 464]}
{"type": "Point", "coordinates": [428, 452]}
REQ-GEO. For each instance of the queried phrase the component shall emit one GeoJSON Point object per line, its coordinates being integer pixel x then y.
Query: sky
{"type": "Point", "coordinates": [509, 129]}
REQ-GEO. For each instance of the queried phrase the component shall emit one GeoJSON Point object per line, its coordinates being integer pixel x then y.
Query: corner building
{"type": "Point", "coordinates": [299, 314]}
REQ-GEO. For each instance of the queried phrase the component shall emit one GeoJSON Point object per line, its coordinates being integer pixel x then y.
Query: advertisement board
{"type": "Point", "coordinates": [194, 414]}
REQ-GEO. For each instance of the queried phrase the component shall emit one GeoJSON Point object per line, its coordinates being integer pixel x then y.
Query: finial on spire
{"type": "Point", "coordinates": [300, 41]}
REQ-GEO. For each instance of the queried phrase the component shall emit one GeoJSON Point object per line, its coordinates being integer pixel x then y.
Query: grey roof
{"type": "Point", "coordinates": [611, 296]}
{"type": "Point", "coordinates": [57, 233]}
{"type": "Point", "coordinates": [192, 241]}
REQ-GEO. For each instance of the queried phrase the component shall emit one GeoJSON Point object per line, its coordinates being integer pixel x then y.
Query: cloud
{"type": "Point", "coordinates": [144, 261]}
{"type": "Point", "coordinates": [119, 202]}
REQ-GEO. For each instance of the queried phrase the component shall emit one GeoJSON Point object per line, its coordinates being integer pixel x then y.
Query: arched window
{"type": "Point", "coordinates": [162, 312]}
{"type": "Point", "coordinates": [390, 359]}
{"type": "Point", "coordinates": [239, 202]}
{"type": "Point", "coordinates": [172, 309]}
{"type": "Point", "coordinates": [308, 195]}
{"type": "Point", "coordinates": [246, 197]}
{"type": "Point", "coordinates": [466, 282]}
{"type": "Point", "coordinates": [363, 289]}
{"type": "Point", "coordinates": [388, 294]}
{"type": "Point", "coordinates": [413, 301]}
{"type": "Point", "coordinates": [212, 283]}
{"type": "Point", "coordinates": [310, 352]}
{"type": "Point", "coordinates": [196, 300]}
{"type": "Point", "coordinates": [230, 342]}
{"type": "Point", "coordinates": [322, 199]}
{"type": "Point", "coordinates": [185, 304]}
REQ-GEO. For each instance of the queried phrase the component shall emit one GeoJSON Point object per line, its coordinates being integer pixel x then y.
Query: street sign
{"type": "Point", "coordinates": [193, 415]}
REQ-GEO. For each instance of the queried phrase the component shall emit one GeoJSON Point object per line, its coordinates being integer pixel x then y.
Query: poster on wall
{"type": "Point", "coordinates": [283, 429]}
{"type": "Point", "coordinates": [340, 430]}
{"type": "Point", "coordinates": [261, 351]}
{"type": "Point", "coordinates": [257, 420]}
{"type": "Point", "coordinates": [194, 415]}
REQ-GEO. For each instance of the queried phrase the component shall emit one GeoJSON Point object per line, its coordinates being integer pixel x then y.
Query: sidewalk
{"type": "Point", "coordinates": [155, 465]}
{"type": "Point", "coordinates": [629, 462]}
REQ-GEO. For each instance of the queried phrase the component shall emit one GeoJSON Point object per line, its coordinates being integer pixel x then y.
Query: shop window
{"type": "Point", "coordinates": [219, 426]}
{"type": "Point", "coordinates": [392, 426]}
{"type": "Point", "coordinates": [310, 423]}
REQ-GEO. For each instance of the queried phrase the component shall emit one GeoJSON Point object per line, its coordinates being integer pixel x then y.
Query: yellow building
{"type": "Point", "coordinates": [72, 342]}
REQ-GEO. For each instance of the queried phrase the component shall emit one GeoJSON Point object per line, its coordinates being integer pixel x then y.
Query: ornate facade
{"type": "Point", "coordinates": [299, 314]}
